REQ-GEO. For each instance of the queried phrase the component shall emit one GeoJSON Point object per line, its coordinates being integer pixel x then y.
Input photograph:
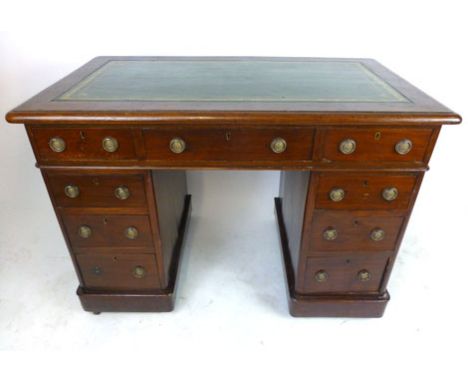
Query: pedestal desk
{"type": "Point", "coordinates": [352, 140]}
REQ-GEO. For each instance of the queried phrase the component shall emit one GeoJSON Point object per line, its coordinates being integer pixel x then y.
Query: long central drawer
{"type": "Point", "coordinates": [228, 144]}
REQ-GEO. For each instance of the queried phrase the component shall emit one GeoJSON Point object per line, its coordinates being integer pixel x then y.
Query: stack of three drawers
{"type": "Point", "coordinates": [109, 225]}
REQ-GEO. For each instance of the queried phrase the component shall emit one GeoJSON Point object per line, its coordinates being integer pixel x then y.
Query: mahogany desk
{"type": "Point", "coordinates": [352, 140]}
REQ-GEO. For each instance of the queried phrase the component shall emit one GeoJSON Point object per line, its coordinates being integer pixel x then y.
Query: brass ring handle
{"type": "Point", "coordinates": [364, 275]}
{"type": "Point", "coordinates": [139, 272]}
{"type": "Point", "coordinates": [321, 276]}
{"type": "Point", "coordinates": [122, 193]}
{"type": "Point", "coordinates": [404, 147]}
{"type": "Point", "coordinates": [278, 145]}
{"type": "Point", "coordinates": [85, 231]}
{"type": "Point", "coordinates": [177, 145]}
{"type": "Point", "coordinates": [72, 191]}
{"type": "Point", "coordinates": [131, 233]}
{"type": "Point", "coordinates": [390, 193]}
{"type": "Point", "coordinates": [57, 144]}
{"type": "Point", "coordinates": [330, 234]}
{"type": "Point", "coordinates": [110, 144]}
{"type": "Point", "coordinates": [348, 146]}
{"type": "Point", "coordinates": [337, 194]}
{"type": "Point", "coordinates": [377, 234]}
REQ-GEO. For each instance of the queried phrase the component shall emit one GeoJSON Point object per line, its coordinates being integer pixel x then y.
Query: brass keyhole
{"type": "Point", "coordinates": [82, 135]}
{"type": "Point", "coordinates": [378, 135]}
{"type": "Point", "coordinates": [104, 220]}
{"type": "Point", "coordinates": [228, 136]}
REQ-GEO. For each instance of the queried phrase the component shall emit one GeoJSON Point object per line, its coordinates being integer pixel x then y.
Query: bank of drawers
{"type": "Point", "coordinates": [356, 223]}
{"type": "Point", "coordinates": [355, 229]}
{"type": "Point", "coordinates": [358, 217]}
{"type": "Point", "coordinates": [171, 144]}
{"type": "Point", "coordinates": [105, 218]}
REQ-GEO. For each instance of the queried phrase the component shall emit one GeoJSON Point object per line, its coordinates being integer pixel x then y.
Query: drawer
{"type": "Point", "coordinates": [353, 231]}
{"type": "Point", "coordinates": [235, 145]}
{"type": "Point", "coordinates": [365, 191]}
{"type": "Point", "coordinates": [342, 274]}
{"type": "Point", "coordinates": [119, 271]}
{"type": "Point", "coordinates": [96, 190]}
{"type": "Point", "coordinates": [87, 144]}
{"type": "Point", "coordinates": [376, 145]}
{"type": "Point", "coordinates": [94, 231]}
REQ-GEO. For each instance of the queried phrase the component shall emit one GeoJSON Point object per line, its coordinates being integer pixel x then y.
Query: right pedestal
{"type": "Point", "coordinates": [340, 233]}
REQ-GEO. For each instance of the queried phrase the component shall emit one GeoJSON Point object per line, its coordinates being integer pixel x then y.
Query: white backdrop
{"type": "Point", "coordinates": [231, 313]}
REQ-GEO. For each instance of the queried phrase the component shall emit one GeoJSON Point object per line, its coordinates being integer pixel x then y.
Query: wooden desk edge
{"type": "Point", "coordinates": [244, 118]}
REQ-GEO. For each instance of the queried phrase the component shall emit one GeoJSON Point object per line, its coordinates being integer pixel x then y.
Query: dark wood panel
{"type": "Point", "coordinates": [119, 271]}
{"type": "Point", "coordinates": [82, 144]}
{"type": "Point", "coordinates": [170, 188]}
{"type": "Point", "coordinates": [353, 230]}
{"type": "Point", "coordinates": [97, 190]}
{"type": "Point", "coordinates": [108, 231]}
{"type": "Point", "coordinates": [364, 191]}
{"type": "Point", "coordinates": [342, 273]}
{"type": "Point", "coordinates": [230, 144]}
{"type": "Point", "coordinates": [374, 144]}
{"type": "Point", "coordinates": [293, 192]}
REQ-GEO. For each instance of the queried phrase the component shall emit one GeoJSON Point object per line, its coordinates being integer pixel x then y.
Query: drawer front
{"type": "Point", "coordinates": [375, 145]}
{"type": "Point", "coordinates": [337, 274]}
{"type": "Point", "coordinates": [365, 191]}
{"type": "Point", "coordinates": [94, 231]}
{"type": "Point", "coordinates": [119, 271]}
{"type": "Point", "coordinates": [89, 144]}
{"type": "Point", "coordinates": [353, 231]}
{"type": "Point", "coordinates": [95, 190]}
{"type": "Point", "coordinates": [234, 145]}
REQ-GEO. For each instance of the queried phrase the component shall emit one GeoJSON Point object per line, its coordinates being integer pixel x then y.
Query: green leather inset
{"type": "Point", "coordinates": [233, 81]}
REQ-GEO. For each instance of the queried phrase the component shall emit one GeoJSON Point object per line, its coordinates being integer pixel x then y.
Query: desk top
{"type": "Point", "coordinates": [230, 89]}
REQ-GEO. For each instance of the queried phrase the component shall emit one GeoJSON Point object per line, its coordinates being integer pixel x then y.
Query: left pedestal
{"type": "Point", "coordinates": [125, 232]}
